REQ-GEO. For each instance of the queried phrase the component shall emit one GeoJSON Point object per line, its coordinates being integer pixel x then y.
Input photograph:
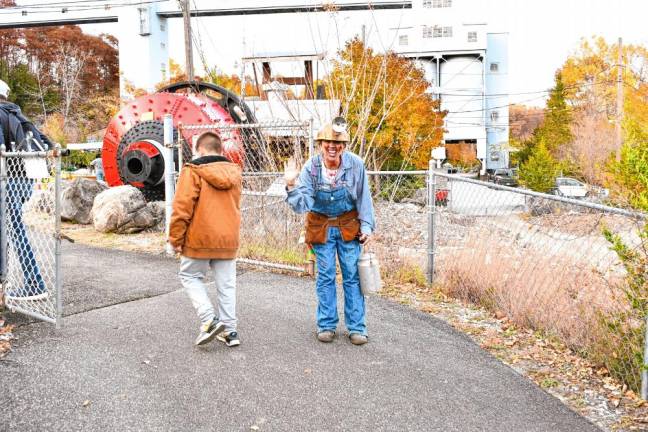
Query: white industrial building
{"type": "Point", "coordinates": [467, 67]}
{"type": "Point", "coordinates": [465, 63]}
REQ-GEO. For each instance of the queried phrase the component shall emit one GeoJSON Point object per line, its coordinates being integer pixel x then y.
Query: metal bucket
{"type": "Point", "coordinates": [369, 270]}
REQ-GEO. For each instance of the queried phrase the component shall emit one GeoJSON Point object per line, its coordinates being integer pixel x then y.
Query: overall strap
{"type": "Point", "coordinates": [314, 172]}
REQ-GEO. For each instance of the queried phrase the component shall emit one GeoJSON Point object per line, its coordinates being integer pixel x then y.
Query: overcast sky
{"type": "Point", "coordinates": [542, 33]}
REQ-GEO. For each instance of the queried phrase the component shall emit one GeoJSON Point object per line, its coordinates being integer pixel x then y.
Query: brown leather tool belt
{"type": "Point", "coordinates": [317, 226]}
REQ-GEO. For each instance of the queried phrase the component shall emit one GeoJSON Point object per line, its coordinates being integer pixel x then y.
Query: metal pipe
{"type": "Point", "coordinates": [180, 153]}
{"type": "Point", "coordinates": [397, 172]}
{"type": "Point", "coordinates": [271, 265]}
{"type": "Point", "coordinates": [311, 138]}
{"type": "Point", "coordinates": [169, 174]}
{"type": "Point", "coordinates": [262, 174]}
{"type": "Point", "coordinates": [431, 186]}
{"type": "Point", "coordinates": [38, 316]}
{"type": "Point", "coordinates": [27, 155]}
{"type": "Point", "coordinates": [3, 219]}
{"type": "Point", "coordinates": [58, 275]}
{"type": "Point", "coordinates": [644, 371]}
{"type": "Point", "coordinates": [528, 192]}
{"type": "Point", "coordinates": [268, 125]}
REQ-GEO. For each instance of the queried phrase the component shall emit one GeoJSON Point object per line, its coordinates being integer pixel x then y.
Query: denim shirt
{"type": "Point", "coordinates": [302, 197]}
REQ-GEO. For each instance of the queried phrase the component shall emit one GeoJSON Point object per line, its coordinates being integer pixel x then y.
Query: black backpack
{"type": "Point", "coordinates": [17, 129]}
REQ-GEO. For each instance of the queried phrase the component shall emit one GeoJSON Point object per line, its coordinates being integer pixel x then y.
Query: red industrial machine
{"type": "Point", "coordinates": [133, 142]}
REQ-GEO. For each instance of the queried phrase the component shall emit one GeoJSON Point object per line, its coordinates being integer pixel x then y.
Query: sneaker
{"type": "Point", "coordinates": [25, 294]}
{"type": "Point", "coordinates": [230, 339]}
{"type": "Point", "coordinates": [208, 331]}
{"type": "Point", "coordinates": [358, 339]}
{"type": "Point", "coordinates": [326, 336]}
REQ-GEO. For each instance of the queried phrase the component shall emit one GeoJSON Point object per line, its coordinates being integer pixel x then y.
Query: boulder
{"type": "Point", "coordinates": [124, 210]}
{"type": "Point", "coordinates": [157, 209]}
{"type": "Point", "coordinates": [78, 198]}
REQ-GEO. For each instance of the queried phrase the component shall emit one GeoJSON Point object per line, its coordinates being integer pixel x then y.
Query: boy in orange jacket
{"type": "Point", "coordinates": [205, 226]}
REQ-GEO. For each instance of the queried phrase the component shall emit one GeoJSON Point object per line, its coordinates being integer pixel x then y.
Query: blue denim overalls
{"type": "Point", "coordinates": [332, 201]}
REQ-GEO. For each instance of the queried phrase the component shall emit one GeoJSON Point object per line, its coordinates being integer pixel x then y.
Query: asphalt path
{"type": "Point", "coordinates": [125, 361]}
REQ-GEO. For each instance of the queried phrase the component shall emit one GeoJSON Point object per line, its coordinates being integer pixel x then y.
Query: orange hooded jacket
{"type": "Point", "coordinates": [206, 216]}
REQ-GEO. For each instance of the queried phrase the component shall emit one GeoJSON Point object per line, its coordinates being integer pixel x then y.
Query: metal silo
{"type": "Point", "coordinates": [462, 89]}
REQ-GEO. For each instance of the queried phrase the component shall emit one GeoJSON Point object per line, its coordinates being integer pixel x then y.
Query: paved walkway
{"type": "Point", "coordinates": [127, 349]}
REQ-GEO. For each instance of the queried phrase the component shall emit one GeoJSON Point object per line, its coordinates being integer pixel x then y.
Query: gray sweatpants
{"type": "Point", "coordinates": [192, 275]}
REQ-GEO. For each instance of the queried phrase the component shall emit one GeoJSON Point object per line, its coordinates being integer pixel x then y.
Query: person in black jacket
{"type": "Point", "coordinates": [18, 134]}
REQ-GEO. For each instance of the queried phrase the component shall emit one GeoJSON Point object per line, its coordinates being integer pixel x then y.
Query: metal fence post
{"type": "Point", "coordinates": [311, 143]}
{"type": "Point", "coordinates": [169, 174]}
{"type": "Point", "coordinates": [3, 218]}
{"type": "Point", "coordinates": [180, 149]}
{"type": "Point", "coordinates": [644, 371]}
{"type": "Point", "coordinates": [57, 238]}
{"type": "Point", "coordinates": [431, 189]}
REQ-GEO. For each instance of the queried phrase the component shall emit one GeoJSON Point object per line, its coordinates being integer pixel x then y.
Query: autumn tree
{"type": "Point", "coordinates": [384, 99]}
{"type": "Point", "coordinates": [523, 121]}
{"type": "Point", "coordinates": [590, 81]}
{"type": "Point", "coordinates": [61, 72]}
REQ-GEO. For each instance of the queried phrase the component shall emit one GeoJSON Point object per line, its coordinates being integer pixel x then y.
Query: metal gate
{"type": "Point", "coordinates": [30, 227]}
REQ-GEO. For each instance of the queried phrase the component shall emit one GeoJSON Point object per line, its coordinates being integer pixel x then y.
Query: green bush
{"type": "Point", "coordinates": [77, 160]}
{"type": "Point", "coordinates": [539, 172]}
{"type": "Point", "coordinates": [621, 347]}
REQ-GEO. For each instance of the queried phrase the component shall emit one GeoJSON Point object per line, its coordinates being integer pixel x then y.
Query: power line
{"type": "Point", "coordinates": [50, 9]}
{"type": "Point", "coordinates": [510, 104]}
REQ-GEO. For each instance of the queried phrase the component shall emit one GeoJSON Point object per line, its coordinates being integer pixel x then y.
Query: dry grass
{"type": "Point", "coordinates": [559, 278]}
{"type": "Point", "coordinates": [149, 242]}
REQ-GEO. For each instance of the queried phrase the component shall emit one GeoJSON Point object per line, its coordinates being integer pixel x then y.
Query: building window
{"type": "Point", "coordinates": [494, 116]}
{"type": "Point", "coordinates": [472, 36]}
{"type": "Point", "coordinates": [437, 32]}
{"type": "Point", "coordinates": [437, 3]}
{"type": "Point", "coordinates": [494, 67]}
{"type": "Point", "coordinates": [403, 40]}
{"type": "Point", "coordinates": [144, 21]}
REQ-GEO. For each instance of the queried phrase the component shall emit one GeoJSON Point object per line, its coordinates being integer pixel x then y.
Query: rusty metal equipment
{"type": "Point", "coordinates": [133, 141]}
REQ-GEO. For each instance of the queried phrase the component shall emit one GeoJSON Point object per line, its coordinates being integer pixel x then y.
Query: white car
{"type": "Point", "coordinates": [570, 188]}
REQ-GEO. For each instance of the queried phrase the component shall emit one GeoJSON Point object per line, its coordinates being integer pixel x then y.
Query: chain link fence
{"type": "Point", "coordinates": [30, 264]}
{"type": "Point", "coordinates": [401, 240]}
{"type": "Point", "coordinates": [548, 263]}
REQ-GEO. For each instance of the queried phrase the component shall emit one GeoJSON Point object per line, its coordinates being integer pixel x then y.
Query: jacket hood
{"type": "Point", "coordinates": [218, 171]}
{"type": "Point", "coordinates": [11, 107]}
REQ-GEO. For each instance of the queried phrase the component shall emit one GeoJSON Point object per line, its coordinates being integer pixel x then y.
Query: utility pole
{"type": "Point", "coordinates": [186, 14]}
{"type": "Point", "coordinates": [364, 31]}
{"type": "Point", "coordinates": [619, 102]}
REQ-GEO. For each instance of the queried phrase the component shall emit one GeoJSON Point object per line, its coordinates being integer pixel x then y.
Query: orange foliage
{"type": "Point", "coordinates": [385, 102]}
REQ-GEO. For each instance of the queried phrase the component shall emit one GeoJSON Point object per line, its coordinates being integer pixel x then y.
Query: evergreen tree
{"type": "Point", "coordinates": [555, 131]}
{"type": "Point", "coordinates": [539, 172]}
